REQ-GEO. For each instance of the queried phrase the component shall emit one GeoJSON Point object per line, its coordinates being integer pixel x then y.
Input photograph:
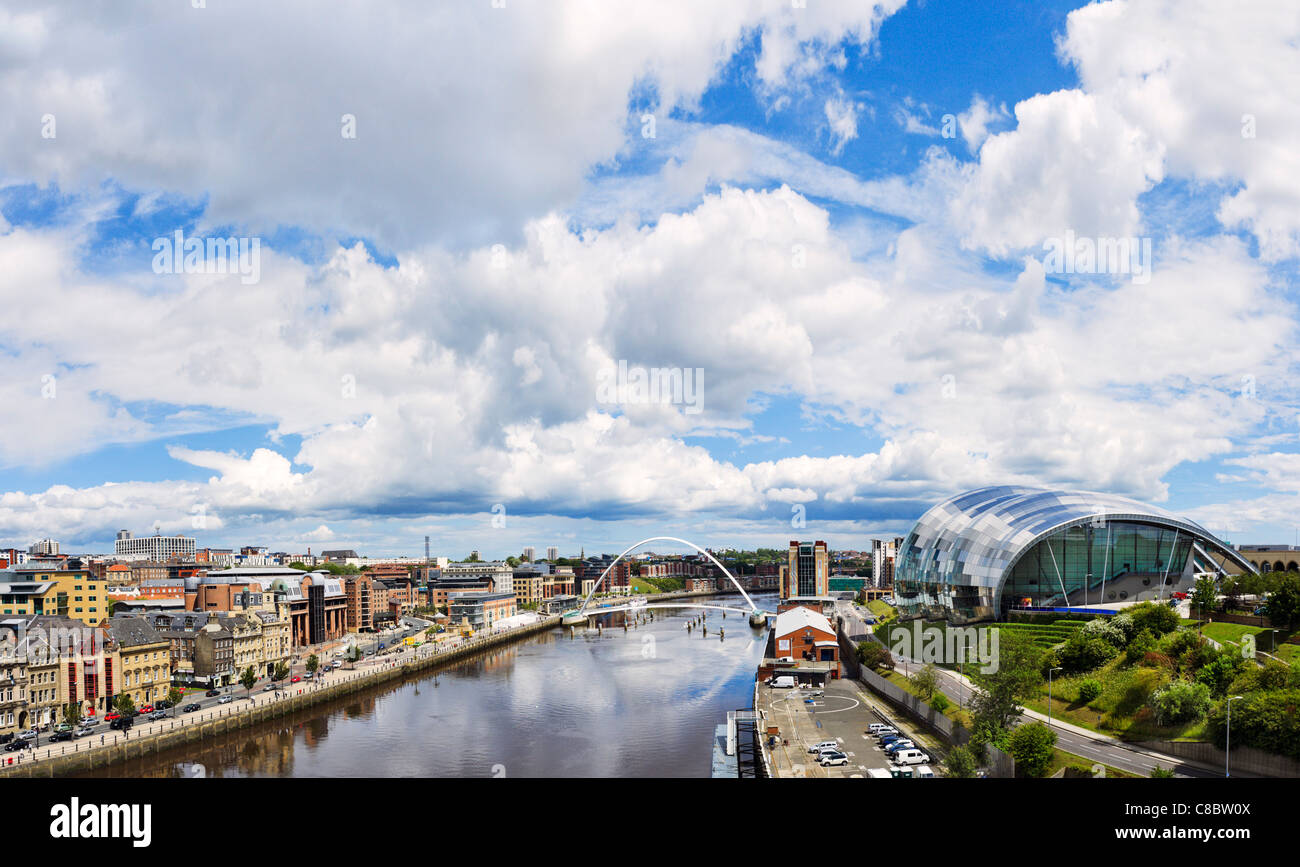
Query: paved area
{"type": "Point", "coordinates": [841, 713]}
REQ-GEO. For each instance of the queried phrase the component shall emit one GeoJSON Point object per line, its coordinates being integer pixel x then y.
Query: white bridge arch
{"type": "Point", "coordinates": [753, 609]}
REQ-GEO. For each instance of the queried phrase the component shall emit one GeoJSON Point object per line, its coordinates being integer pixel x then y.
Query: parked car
{"type": "Point", "coordinates": [829, 760]}
{"type": "Point", "coordinates": [923, 772]}
{"type": "Point", "coordinates": [85, 730]}
{"type": "Point", "coordinates": [157, 715]}
{"type": "Point", "coordinates": [269, 687]}
{"type": "Point", "coordinates": [887, 733]}
{"type": "Point", "coordinates": [210, 693]}
{"type": "Point", "coordinates": [382, 646]}
{"type": "Point", "coordinates": [148, 708]}
{"type": "Point", "coordinates": [899, 745]}
{"type": "Point", "coordinates": [17, 744]}
{"type": "Point", "coordinates": [66, 735]}
{"type": "Point", "coordinates": [225, 699]}
{"type": "Point", "coordinates": [112, 716]}
{"type": "Point", "coordinates": [162, 705]}
{"type": "Point", "coordinates": [817, 748]}
{"type": "Point", "coordinates": [875, 727]}
{"type": "Point", "coordinates": [63, 727]}
{"type": "Point", "coordinates": [295, 679]}
{"type": "Point", "coordinates": [911, 757]}
{"type": "Point", "coordinates": [191, 707]}
{"type": "Point", "coordinates": [307, 675]}
{"type": "Point", "coordinates": [6, 737]}
{"type": "Point", "coordinates": [122, 723]}
{"type": "Point", "coordinates": [27, 734]}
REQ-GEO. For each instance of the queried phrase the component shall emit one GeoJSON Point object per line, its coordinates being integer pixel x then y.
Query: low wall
{"type": "Point", "coordinates": [85, 757]}
{"type": "Point", "coordinates": [1247, 759]}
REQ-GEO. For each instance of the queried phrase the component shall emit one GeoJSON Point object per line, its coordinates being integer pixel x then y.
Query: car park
{"type": "Point", "coordinates": [829, 760]}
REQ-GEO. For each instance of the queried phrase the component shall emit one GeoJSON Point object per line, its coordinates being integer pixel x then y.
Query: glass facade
{"type": "Point", "coordinates": [977, 555]}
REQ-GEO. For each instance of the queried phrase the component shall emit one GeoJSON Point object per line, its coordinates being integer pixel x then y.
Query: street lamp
{"type": "Point", "coordinates": [1227, 741]}
{"type": "Point", "coordinates": [1049, 694]}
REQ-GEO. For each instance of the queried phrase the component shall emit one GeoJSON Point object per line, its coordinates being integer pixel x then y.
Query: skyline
{"type": "Point", "coordinates": [846, 237]}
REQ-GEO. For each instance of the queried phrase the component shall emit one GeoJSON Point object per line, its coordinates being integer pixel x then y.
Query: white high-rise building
{"type": "Point", "coordinates": [530, 553]}
{"type": "Point", "coordinates": [45, 546]}
{"type": "Point", "coordinates": [552, 553]}
{"type": "Point", "coordinates": [152, 547]}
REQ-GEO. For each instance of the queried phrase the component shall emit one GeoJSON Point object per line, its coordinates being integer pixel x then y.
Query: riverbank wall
{"type": "Point", "coordinates": [82, 756]}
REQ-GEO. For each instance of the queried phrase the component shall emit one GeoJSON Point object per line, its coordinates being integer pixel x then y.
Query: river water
{"type": "Point", "coordinates": [565, 703]}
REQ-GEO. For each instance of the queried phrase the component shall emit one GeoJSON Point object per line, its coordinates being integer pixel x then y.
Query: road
{"type": "Point", "coordinates": [1072, 739]}
{"type": "Point", "coordinates": [210, 706]}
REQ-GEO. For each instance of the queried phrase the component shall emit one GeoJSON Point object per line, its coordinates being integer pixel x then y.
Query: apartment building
{"type": "Point", "coordinates": [144, 656]}
{"type": "Point", "coordinates": [39, 587]}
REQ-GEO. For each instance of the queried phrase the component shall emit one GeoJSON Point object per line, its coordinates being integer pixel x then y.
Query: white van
{"type": "Point", "coordinates": [911, 757]}
{"type": "Point", "coordinates": [784, 682]}
{"type": "Point", "coordinates": [879, 774]}
{"type": "Point", "coordinates": [923, 772]}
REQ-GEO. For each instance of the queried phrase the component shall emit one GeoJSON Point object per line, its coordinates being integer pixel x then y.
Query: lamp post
{"type": "Point", "coordinates": [1227, 742]}
{"type": "Point", "coordinates": [1049, 694]}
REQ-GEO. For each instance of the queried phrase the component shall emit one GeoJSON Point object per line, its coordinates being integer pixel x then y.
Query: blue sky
{"type": "Point", "coordinates": [840, 219]}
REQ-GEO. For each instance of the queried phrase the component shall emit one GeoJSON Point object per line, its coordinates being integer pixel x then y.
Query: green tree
{"type": "Point", "coordinates": [175, 696]}
{"type": "Point", "coordinates": [1032, 746]}
{"type": "Point", "coordinates": [960, 762]}
{"type": "Point", "coordinates": [512, 562]}
{"type": "Point", "coordinates": [1159, 773]}
{"type": "Point", "coordinates": [1142, 644]}
{"type": "Point", "coordinates": [873, 654]}
{"type": "Point", "coordinates": [1283, 603]}
{"type": "Point", "coordinates": [72, 713]}
{"type": "Point", "coordinates": [1017, 677]}
{"type": "Point", "coordinates": [281, 671]}
{"type": "Point", "coordinates": [1084, 651]}
{"type": "Point", "coordinates": [313, 663]}
{"type": "Point", "coordinates": [925, 681]}
{"type": "Point", "coordinates": [940, 702]}
{"type": "Point", "coordinates": [1220, 671]}
{"type": "Point", "coordinates": [247, 679]}
{"type": "Point", "coordinates": [124, 704]}
{"type": "Point", "coordinates": [1205, 596]}
{"type": "Point", "coordinates": [297, 565]}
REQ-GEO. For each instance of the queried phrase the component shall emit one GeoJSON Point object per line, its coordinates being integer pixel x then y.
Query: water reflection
{"type": "Point", "coordinates": [640, 701]}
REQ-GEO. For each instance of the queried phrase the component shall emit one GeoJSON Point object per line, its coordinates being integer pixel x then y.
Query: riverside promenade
{"type": "Point", "coordinates": [97, 751]}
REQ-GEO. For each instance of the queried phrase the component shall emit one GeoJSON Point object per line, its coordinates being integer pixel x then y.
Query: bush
{"type": "Point", "coordinates": [940, 702]}
{"type": "Point", "coordinates": [1032, 745]}
{"type": "Point", "coordinates": [1084, 652]}
{"type": "Point", "coordinates": [1220, 671]}
{"type": "Point", "coordinates": [961, 762]}
{"type": "Point", "coordinates": [1160, 619]}
{"type": "Point", "coordinates": [1125, 624]}
{"type": "Point", "coordinates": [1105, 630]}
{"type": "Point", "coordinates": [1141, 644]}
{"type": "Point", "coordinates": [1089, 690]}
{"type": "Point", "coordinates": [1265, 720]}
{"type": "Point", "coordinates": [1180, 702]}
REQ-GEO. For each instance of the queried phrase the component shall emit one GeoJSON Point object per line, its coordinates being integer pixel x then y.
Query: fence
{"type": "Point", "coordinates": [1248, 759]}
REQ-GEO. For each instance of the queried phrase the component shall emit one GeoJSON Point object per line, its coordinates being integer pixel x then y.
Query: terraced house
{"type": "Point", "coordinates": [145, 655]}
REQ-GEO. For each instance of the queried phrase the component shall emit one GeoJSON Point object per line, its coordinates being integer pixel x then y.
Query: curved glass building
{"type": "Point", "coordinates": [981, 553]}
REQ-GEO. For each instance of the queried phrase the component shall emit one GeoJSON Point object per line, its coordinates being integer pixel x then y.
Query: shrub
{"type": "Point", "coordinates": [1180, 702]}
{"type": "Point", "coordinates": [1084, 652]}
{"type": "Point", "coordinates": [1141, 644]}
{"type": "Point", "coordinates": [940, 702]}
{"type": "Point", "coordinates": [1220, 671]}
{"type": "Point", "coordinates": [1106, 631]}
{"type": "Point", "coordinates": [1160, 619]}
{"type": "Point", "coordinates": [1089, 690]}
{"type": "Point", "coordinates": [961, 762]}
{"type": "Point", "coordinates": [1032, 745]}
{"type": "Point", "coordinates": [1124, 623]}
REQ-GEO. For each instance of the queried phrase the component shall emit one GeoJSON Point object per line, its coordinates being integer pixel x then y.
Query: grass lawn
{"type": "Point", "coordinates": [1231, 633]}
{"type": "Point", "coordinates": [1288, 653]}
{"type": "Point", "coordinates": [879, 608]}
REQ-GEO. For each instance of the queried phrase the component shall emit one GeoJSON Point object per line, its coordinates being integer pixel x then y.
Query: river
{"type": "Point", "coordinates": [636, 703]}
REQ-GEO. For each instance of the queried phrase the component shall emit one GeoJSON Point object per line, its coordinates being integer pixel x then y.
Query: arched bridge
{"type": "Point", "coordinates": [579, 616]}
